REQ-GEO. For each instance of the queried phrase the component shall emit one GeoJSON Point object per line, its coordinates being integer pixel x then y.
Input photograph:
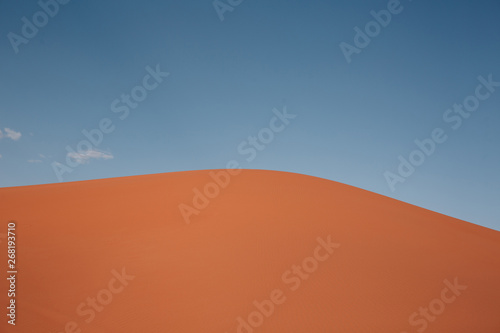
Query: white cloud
{"type": "Point", "coordinates": [11, 134]}
{"type": "Point", "coordinates": [0, 156]}
{"type": "Point", "coordinates": [87, 155]}
{"type": "Point", "coordinates": [41, 155]}
{"type": "Point", "coordinates": [35, 161]}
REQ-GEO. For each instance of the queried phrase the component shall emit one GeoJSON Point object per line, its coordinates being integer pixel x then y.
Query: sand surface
{"type": "Point", "coordinates": [271, 252]}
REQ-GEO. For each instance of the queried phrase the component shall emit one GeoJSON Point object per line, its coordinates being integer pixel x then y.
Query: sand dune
{"type": "Point", "coordinates": [261, 251]}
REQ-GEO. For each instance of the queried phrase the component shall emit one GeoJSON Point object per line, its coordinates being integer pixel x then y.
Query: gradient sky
{"type": "Point", "coordinates": [353, 119]}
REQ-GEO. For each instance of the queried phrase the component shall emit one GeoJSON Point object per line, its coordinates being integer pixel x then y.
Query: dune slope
{"type": "Point", "coordinates": [258, 251]}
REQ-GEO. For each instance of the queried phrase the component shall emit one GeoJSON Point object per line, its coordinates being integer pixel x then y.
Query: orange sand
{"type": "Point", "coordinates": [391, 259]}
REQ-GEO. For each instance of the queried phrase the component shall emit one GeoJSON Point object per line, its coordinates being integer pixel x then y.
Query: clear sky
{"type": "Point", "coordinates": [356, 111]}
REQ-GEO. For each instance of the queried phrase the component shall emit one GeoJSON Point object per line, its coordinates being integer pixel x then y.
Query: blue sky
{"type": "Point", "coordinates": [354, 119]}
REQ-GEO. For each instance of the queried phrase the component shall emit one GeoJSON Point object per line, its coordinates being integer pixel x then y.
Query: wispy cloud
{"type": "Point", "coordinates": [11, 134]}
{"type": "Point", "coordinates": [86, 156]}
{"type": "Point", "coordinates": [37, 160]}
